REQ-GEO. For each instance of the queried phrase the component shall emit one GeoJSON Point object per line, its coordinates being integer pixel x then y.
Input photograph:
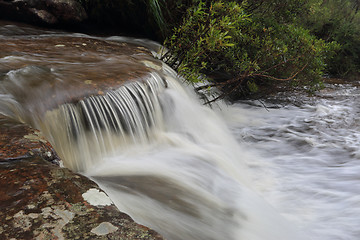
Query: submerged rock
{"type": "Point", "coordinates": [40, 200]}
{"type": "Point", "coordinates": [60, 69]}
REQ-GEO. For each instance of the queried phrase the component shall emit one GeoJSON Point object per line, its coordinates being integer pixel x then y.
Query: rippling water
{"type": "Point", "coordinates": [289, 171]}
{"type": "Point", "coordinates": [309, 156]}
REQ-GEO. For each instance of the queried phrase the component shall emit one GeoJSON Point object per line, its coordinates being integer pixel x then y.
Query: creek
{"type": "Point", "coordinates": [239, 171]}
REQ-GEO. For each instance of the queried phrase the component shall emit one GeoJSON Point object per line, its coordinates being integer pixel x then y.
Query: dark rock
{"type": "Point", "coordinates": [44, 15]}
{"type": "Point", "coordinates": [40, 200]}
{"type": "Point", "coordinates": [47, 12]}
{"type": "Point", "coordinates": [97, 16]}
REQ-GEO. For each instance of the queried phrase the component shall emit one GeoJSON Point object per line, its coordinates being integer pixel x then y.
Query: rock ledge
{"type": "Point", "coordinates": [40, 200]}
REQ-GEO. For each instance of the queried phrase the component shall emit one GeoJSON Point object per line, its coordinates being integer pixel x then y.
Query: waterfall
{"type": "Point", "coordinates": [166, 160]}
{"type": "Point", "coordinates": [98, 125]}
{"type": "Point", "coordinates": [189, 171]}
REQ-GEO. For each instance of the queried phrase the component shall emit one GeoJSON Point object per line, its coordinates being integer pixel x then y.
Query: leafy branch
{"type": "Point", "coordinates": [222, 45]}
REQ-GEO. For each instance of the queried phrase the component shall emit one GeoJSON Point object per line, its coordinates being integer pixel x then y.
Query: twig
{"type": "Point", "coordinates": [262, 103]}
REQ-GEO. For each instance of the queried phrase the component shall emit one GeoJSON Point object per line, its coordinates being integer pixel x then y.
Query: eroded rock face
{"type": "Point", "coordinates": [40, 200]}
{"type": "Point", "coordinates": [48, 12]}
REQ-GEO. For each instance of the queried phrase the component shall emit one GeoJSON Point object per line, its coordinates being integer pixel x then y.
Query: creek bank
{"type": "Point", "coordinates": [41, 200]}
{"type": "Point", "coordinates": [284, 88]}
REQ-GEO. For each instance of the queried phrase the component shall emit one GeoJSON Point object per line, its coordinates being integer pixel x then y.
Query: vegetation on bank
{"type": "Point", "coordinates": [242, 46]}
{"type": "Point", "coordinates": [240, 52]}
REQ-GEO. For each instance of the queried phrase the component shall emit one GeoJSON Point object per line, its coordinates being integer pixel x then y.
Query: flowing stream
{"type": "Point", "coordinates": [286, 172]}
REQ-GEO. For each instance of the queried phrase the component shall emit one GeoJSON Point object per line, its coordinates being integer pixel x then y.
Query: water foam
{"type": "Point", "coordinates": [183, 175]}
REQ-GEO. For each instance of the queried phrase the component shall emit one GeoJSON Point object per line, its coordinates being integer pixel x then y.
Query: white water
{"type": "Point", "coordinates": [190, 180]}
{"type": "Point", "coordinates": [184, 175]}
{"type": "Point", "coordinates": [312, 153]}
{"type": "Point", "coordinates": [291, 174]}
{"type": "Point", "coordinates": [234, 172]}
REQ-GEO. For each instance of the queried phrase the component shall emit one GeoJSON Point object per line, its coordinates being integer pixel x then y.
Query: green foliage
{"type": "Point", "coordinates": [201, 43]}
{"type": "Point", "coordinates": [252, 86]}
{"type": "Point", "coordinates": [280, 11]}
{"type": "Point", "coordinates": [338, 20]}
{"type": "Point", "coordinates": [242, 46]}
{"type": "Point", "coordinates": [238, 51]}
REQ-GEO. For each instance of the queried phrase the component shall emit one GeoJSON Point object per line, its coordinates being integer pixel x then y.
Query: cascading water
{"type": "Point", "coordinates": [97, 125]}
{"type": "Point", "coordinates": [191, 172]}
{"type": "Point", "coordinates": [166, 160]}
{"type": "Point", "coordinates": [311, 149]}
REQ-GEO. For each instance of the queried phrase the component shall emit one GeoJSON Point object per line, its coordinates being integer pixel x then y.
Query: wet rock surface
{"type": "Point", "coordinates": [19, 141]}
{"type": "Point", "coordinates": [44, 69]}
{"type": "Point", "coordinates": [40, 200]}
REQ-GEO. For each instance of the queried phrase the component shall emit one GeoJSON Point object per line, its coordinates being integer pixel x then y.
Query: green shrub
{"type": "Point", "coordinates": [338, 20]}
{"type": "Point", "coordinates": [237, 51]}
{"type": "Point", "coordinates": [201, 43]}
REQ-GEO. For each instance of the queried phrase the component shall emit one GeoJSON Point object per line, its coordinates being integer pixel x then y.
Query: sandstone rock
{"type": "Point", "coordinates": [83, 67]}
{"type": "Point", "coordinates": [19, 141]}
{"type": "Point", "coordinates": [40, 200]}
